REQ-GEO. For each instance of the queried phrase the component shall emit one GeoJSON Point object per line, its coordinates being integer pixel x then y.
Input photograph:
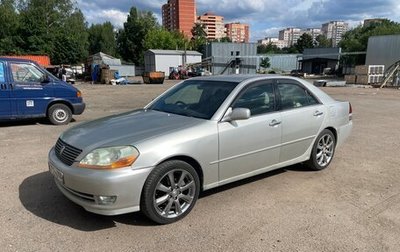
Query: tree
{"type": "Point", "coordinates": [102, 39]}
{"type": "Point", "coordinates": [265, 63]}
{"type": "Point", "coordinates": [322, 42]}
{"type": "Point", "coordinates": [305, 41]}
{"type": "Point", "coordinates": [160, 38]}
{"type": "Point", "coordinates": [9, 20]}
{"type": "Point", "coordinates": [268, 49]}
{"type": "Point", "coordinates": [130, 39]}
{"type": "Point", "coordinates": [225, 39]}
{"type": "Point", "coordinates": [356, 40]}
{"type": "Point", "coordinates": [199, 37]}
{"type": "Point", "coordinates": [53, 27]}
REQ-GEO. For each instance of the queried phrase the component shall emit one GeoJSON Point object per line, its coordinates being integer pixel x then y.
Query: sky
{"type": "Point", "coordinates": [265, 17]}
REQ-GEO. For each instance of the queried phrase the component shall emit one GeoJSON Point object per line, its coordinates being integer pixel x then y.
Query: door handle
{"type": "Point", "coordinates": [274, 123]}
{"type": "Point", "coordinates": [318, 113]}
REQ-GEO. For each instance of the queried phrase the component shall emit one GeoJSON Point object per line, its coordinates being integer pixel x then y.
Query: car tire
{"type": "Point", "coordinates": [59, 114]}
{"type": "Point", "coordinates": [323, 151]}
{"type": "Point", "coordinates": [164, 202]}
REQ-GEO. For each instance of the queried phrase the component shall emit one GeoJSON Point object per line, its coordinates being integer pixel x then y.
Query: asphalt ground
{"type": "Point", "coordinates": [353, 205]}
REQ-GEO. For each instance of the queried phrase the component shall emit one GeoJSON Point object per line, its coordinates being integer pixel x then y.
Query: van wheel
{"type": "Point", "coordinates": [59, 114]}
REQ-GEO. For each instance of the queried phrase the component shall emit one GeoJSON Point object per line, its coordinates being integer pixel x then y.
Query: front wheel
{"type": "Point", "coordinates": [170, 192]}
{"type": "Point", "coordinates": [59, 114]}
{"type": "Point", "coordinates": [323, 151]}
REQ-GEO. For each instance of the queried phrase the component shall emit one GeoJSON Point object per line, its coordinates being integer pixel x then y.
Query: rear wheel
{"type": "Point", "coordinates": [59, 114]}
{"type": "Point", "coordinates": [323, 151]}
{"type": "Point", "coordinates": [170, 192]}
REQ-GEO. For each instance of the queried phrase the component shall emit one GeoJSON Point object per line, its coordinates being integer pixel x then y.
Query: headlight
{"type": "Point", "coordinates": [110, 158]}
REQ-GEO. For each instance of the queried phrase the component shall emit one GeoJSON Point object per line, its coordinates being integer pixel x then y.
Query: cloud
{"type": "Point", "coordinates": [263, 16]}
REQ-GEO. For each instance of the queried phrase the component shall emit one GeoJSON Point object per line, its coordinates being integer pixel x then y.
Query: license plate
{"type": "Point", "coordinates": [56, 173]}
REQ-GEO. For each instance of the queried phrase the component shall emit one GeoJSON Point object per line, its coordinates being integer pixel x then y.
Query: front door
{"type": "Point", "coordinates": [31, 95]}
{"type": "Point", "coordinates": [5, 100]}
{"type": "Point", "coordinates": [246, 146]}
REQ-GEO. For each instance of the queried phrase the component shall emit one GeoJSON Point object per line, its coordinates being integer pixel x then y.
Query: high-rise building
{"type": "Point", "coordinates": [179, 15]}
{"type": "Point", "coordinates": [290, 35]}
{"type": "Point", "coordinates": [213, 25]}
{"type": "Point", "coordinates": [237, 32]}
{"type": "Point", "coordinates": [313, 32]}
{"type": "Point", "coordinates": [334, 30]}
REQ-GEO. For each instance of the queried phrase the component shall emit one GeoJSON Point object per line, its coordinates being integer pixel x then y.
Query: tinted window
{"type": "Point", "coordinates": [259, 99]}
{"type": "Point", "coordinates": [196, 98]}
{"type": "Point", "coordinates": [26, 73]}
{"type": "Point", "coordinates": [2, 77]}
{"type": "Point", "coordinates": [294, 96]}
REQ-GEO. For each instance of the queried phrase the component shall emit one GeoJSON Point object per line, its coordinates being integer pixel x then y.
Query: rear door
{"type": "Point", "coordinates": [5, 88]}
{"type": "Point", "coordinates": [31, 95]}
{"type": "Point", "coordinates": [302, 116]}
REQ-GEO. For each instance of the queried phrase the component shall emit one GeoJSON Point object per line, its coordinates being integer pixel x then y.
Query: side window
{"type": "Point", "coordinates": [26, 73]}
{"type": "Point", "coordinates": [259, 99]}
{"type": "Point", "coordinates": [2, 73]}
{"type": "Point", "coordinates": [294, 96]}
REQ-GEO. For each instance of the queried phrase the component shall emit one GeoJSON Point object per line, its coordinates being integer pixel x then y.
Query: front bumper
{"type": "Point", "coordinates": [82, 185]}
{"type": "Point", "coordinates": [78, 108]}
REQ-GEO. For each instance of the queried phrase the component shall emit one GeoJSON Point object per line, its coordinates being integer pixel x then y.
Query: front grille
{"type": "Point", "coordinates": [66, 153]}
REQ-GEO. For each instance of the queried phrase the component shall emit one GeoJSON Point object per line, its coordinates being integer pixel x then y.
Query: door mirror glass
{"type": "Point", "coordinates": [237, 114]}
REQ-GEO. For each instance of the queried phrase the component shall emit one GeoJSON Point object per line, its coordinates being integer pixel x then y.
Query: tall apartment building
{"type": "Point", "coordinates": [274, 41]}
{"type": "Point", "coordinates": [373, 21]}
{"type": "Point", "coordinates": [237, 32]}
{"type": "Point", "coordinates": [334, 30]}
{"type": "Point", "coordinates": [313, 32]}
{"type": "Point", "coordinates": [213, 25]}
{"type": "Point", "coordinates": [291, 35]}
{"type": "Point", "coordinates": [179, 15]}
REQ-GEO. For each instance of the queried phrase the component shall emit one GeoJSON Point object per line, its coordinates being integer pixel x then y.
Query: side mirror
{"type": "Point", "coordinates": [45, 79]}
{"type": "Point", "coordinates": [236, 114]}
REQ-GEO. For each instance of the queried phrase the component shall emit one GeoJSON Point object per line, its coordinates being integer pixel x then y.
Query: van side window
{"type": "Point", "coordinates": [2, 74]}
{"type": "Point", "coordinates": [26, 73]}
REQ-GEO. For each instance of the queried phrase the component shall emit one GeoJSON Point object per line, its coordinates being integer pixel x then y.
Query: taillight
{"type": "Point", "coordinates": [350, 111]}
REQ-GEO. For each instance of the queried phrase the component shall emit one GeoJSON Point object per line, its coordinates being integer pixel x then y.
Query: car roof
{"type": "Point", "coordinates": [235, 77]}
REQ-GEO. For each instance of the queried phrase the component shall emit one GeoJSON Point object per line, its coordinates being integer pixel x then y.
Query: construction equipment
{"type": "Point", "coordinates": [392, 75]}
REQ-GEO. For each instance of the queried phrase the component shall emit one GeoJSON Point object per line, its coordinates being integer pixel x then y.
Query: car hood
{"type": "Point", "coordinates": [125, 129]}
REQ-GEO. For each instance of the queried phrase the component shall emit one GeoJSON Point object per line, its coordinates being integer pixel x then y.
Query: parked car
{"type": "Point", "coordinates": [29, 91]}
{"type": "Point", "coordinates": [202, 133]}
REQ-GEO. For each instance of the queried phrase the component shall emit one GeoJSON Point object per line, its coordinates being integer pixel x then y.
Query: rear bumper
{"type": "Point", "coordinates": [78, 108]}
{"type": "Point", "coordinates": [344, 132]}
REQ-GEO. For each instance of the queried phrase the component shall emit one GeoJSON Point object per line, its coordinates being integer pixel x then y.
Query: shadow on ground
{"type": "Point", "coordinates": [27, 122]}
{"type": "Point", "coordinates": [40, 195]}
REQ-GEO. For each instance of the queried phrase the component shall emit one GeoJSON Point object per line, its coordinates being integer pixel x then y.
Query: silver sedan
{"type": "Point", "coordinates": [202, 133]}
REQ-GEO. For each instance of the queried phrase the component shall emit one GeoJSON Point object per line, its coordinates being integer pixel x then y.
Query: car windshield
{"type": "Point", "coordinates": [194, 98]}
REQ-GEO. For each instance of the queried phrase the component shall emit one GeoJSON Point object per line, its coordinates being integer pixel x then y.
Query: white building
{"type": "Point", "coordinates": [334, 30]}
{"type": "Point", "coordinates": [313, 32]}
{"type": "Point", "coordinates": [274, 41]}
{"type": "Point", "coordinates": [166, 60]}
{"type": "Point", "coordinates": [290, 35]}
